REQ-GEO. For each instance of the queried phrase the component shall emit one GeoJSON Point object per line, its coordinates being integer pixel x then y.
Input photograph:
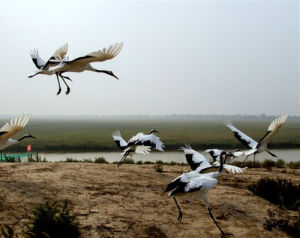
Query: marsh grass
{"type": "Point", "coordinates": [89, 135]}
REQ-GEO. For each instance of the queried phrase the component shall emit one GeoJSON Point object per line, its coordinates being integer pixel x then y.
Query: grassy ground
{"type": "Point", "coordinates": [78, 135]}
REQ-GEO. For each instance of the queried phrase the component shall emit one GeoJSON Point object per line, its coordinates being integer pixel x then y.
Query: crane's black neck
{"type": "Point", "coordinates": [222, 160]}
{"type": "Point", "coordinates": [24, 137]}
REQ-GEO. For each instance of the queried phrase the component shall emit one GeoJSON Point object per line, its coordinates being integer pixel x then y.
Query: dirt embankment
{"type": "Point", "coordinates": [130, 200]}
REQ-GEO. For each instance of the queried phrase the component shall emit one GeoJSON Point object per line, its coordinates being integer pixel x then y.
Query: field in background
{"type": "Point", "coordinates": [94, 134]}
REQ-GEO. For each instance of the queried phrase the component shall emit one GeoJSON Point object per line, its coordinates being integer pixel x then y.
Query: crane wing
{"type": "Point", "coordinates": [147, 140]}
{"type": "Point", "coordinates": [100, 55]}
{"type": "Point", "coordinates": [273, 128]}
{"type": "Point", "coordinates": [194, 184]}
{"type": "Point", "coordinates": [214, 153]}
{"type": "Point", "coordinates": [242, 137]}
{"type": "Point", "coordinates": [230, 168]}
{"type": "Point", "coordinates": [121, 143]}
{"type": "Point", "coordinates": [195, 160]}
{"type": "Point", "coordinates": [58, 56]}
{"type": "Point", "coordinates": [140, 149]}
{"type": "Point", "coordinates": [37, 60]}
{"type": "Point", "coordinates": [13, 126]}
{"type": "Point", "coordinates": [61, 52]}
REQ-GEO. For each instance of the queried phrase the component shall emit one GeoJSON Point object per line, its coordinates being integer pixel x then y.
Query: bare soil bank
{"type": "Point", "coordinates": [130, 200]}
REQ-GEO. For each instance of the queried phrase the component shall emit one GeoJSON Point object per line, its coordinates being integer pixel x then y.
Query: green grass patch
{"type": "Point", "coordinates": [88, 135]}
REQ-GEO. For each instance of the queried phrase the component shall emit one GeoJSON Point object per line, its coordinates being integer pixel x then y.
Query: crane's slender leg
{"type": "Point", "coordinates": [254, 160]}
{"type": "Point", "coordinates": [223, 234]}
{"type": "Point", "coordinates": [68, 88]}
{"type": "Point", "coordinates": [245, 160]}
{"type": "Point", "coordinates": [66, 77]}
{"type": "Point", "coordinates": [59, 88]}
{"type": "Point", "coordinates": [179, 211]}
{"type": "Point", "coordinates": [123, 158]}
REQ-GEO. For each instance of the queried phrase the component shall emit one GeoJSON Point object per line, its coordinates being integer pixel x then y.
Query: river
{"type": "Point", "coordinates": [287, 155]}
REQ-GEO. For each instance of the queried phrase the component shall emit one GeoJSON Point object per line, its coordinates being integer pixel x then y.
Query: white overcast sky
{"type": "Point", "coordinates": [179, 57]}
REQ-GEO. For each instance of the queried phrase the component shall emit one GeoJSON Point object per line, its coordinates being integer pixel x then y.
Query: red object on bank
{"type": "Point", "coordinates": [28, 148]}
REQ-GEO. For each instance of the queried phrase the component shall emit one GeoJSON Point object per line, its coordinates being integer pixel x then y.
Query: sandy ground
{"type": "Point", "coordinates": [131, 202]}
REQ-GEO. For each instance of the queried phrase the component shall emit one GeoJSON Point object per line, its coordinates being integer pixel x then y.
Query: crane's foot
{"type": "Point", "coordinates": [58, 92]}
{"type": "Point", "coordinates": [179, 217]}
{"type": "Point", "coordinates": [68, 91]}
{"type": "Point", "coordinates": [224, 235]}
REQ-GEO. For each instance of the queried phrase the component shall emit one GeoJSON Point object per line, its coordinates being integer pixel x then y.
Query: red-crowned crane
{"type": "Point", "coordinates": [140, 143]}
{"type": "Point", "coordinates": [262, 145]}
{"type": "Point", "coordinates": [11, 128]}
{"type": "Point", "coordinates": [197, 187]}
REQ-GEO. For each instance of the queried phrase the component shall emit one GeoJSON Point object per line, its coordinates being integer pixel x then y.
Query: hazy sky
{"type": "Point", "coordinates": [196, 57]}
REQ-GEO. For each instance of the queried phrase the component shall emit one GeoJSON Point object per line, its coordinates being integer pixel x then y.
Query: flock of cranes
{"type": "Point", "coordinates": [191, 185]}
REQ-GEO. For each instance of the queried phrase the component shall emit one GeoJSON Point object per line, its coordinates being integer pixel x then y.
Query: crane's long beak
{"type": "Point", "coordinates": [30, 76]}
{"type": "Point", "coordinates": [112, 74]}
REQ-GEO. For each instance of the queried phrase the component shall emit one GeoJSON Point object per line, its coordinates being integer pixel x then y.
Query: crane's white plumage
{"type": "Point", "coordinates": [242, 137]}
{"type": "Point", "coordinates": [193, 185]}
{"type": "Point", "coordinates": [140, 143]}
{"type": "Point", "coordinates": [258, 147]}
{"type": "Point", "coordinates": [272, 129]}
{"type": "Point", "coordinates": [83, 63]}
{"type": "Point", "coordinates": [121, 143]}
{"type": "Point", "coordinates": [146, 139]}
{"type": "Point", "coordinates": [11, 128]}
{"type": "Point", "coordinates": [59, 63]}
{"type": "Point", "coordinates": [200, 164]}
{"type": "Point", "coordinates": [58, 56]}
{"type": "Point", "coordinates": [196, 160]}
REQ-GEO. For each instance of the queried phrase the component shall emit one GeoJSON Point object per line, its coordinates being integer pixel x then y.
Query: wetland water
{"type": "Point", "coordinates": [287, 155]}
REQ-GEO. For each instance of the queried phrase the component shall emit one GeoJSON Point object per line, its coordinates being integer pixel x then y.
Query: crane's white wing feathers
{"type": "Point", "coordinates": [195, 160]}
{"type": "Point", "coordinates": [13, 126]}
{"type": "Point", "coordinates": [273, 128]}
{"type": "Point", "coordinates": [242, 137]}
{"type": "Point", "coordinates": [119, 139]}
{"type": "Point", "coordinates": [37, 60]}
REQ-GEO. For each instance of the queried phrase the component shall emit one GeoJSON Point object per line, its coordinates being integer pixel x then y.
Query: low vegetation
{"type": "Point", "coordinates": [281, 221]}
{"type": "Point", "coordinates": [88, 135]}
{"type": "Point", "coordinates": [52, 219]}
{"type": "Point", "coordinates": [278, 191]}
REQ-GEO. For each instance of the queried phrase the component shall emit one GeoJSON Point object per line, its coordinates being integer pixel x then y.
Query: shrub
{"type": "Point", "coordinates": [6, 231]}
{"type": "Point", "coordinates": [148, 162]}
{"type": "Point", "coordinates": [280, 191]}
{"type": "Point", "coordinates": [71, 160]}
{"type": "Point", "coordinates": [100, 160]}
{"type": "Point", "coordinates": [128, 161]}
{"type": "Point", "coordinates": [54, 220]}
{"type": "Point", "coordinates": [268, 163]}
{"type": "Point", "coordinates": [280, 163]}
{"type": "Point", "coordinates": [87, 161]}
{"type": "Point", "coordinates": [294, 165]}
{"type": "Point", "coordinates": [139, 162]}
{"type": "Point", "coordinates": [159, 162]}
{"type": "Point", "coordinates": [158, 168]}
{"type": "Point", "coordinates": [283, 223]}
